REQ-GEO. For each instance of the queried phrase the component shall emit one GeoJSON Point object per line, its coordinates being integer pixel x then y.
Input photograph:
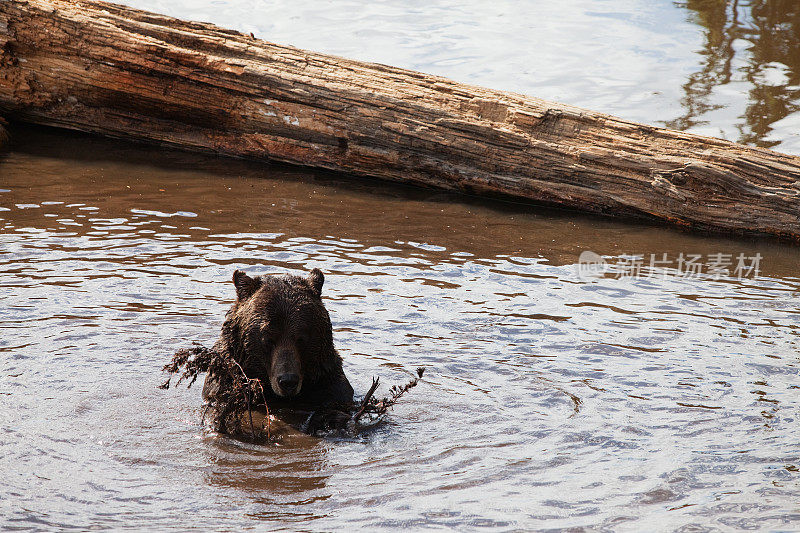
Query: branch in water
{"type": "Point", "coordinates": [229, 403]}
{"type": "Point", "coordinates": [379, 407]}
{"type": "Point", "coordinates": [237, 394]}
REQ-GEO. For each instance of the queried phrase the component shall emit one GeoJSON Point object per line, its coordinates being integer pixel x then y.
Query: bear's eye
{"type": "Point", "coordinates": [266, 334]}
{"type": "Point", "coordinates": [301, 341]}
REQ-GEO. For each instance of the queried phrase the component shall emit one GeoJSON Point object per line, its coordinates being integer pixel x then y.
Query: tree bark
{"type": "Point", "coordinates": [104, 68]}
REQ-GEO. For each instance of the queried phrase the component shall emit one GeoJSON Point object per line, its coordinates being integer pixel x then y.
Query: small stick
{"type": "Point", "coordinates": [247, 397]}
{"type": "Point", "coordinates": [250, 414]}
{"type": "Point", "coordinates": [249, 409]}
{"type": "Point", "coordinates": [264, 399]}
{"type": "Point", "coordinates": [367, 398]}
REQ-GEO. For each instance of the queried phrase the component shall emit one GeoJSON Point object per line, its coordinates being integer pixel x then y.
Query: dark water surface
{"type": "Point", "coordinates": [551, 400]}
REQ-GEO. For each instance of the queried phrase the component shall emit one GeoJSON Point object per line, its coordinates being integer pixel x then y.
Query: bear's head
{"type": "Point", "coordinates": [280, 332]}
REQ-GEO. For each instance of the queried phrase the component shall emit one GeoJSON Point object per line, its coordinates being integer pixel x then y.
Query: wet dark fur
{"type": "Point", "coordinates": [283, 317]}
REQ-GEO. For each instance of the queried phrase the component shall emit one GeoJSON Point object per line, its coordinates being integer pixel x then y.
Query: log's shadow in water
{"type": "Point", "coordinates": [755, 42]}
{"type": "Point", "coordinates": [225, 195]}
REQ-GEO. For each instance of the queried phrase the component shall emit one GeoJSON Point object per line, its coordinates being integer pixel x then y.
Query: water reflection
{"type": "Point", "coordinates": [271, 478]}
{"type": "Point", "coordinates": [753, 48]}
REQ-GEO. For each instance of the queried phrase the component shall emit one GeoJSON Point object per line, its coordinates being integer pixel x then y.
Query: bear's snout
{"type": "Point", "coordinates": [288, 383]}
{"type": "Point", "coordinates": [285, 376]}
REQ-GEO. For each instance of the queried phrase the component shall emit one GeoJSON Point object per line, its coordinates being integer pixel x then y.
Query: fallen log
{"type": "Point", "coordinates": [117, 71]}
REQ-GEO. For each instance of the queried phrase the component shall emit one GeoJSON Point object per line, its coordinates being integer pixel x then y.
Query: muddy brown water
{"type": "Point", "coordinates": [551, 399]}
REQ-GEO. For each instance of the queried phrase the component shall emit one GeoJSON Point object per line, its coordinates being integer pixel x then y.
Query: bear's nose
{"type": "Point", "coordinates": [288, 383]}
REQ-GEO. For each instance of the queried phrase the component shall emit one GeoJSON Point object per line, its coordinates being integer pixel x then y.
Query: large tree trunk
{"type": "Point", "coordinates": [117, 71]}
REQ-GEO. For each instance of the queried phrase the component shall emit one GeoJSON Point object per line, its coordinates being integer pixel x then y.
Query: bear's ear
{"type": "Point", "coordinates": [245, 285]}
{"type": "Point", "coordinates": [316, 279]}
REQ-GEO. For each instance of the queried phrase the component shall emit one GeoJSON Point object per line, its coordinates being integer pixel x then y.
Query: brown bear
{"type": "Point", "coordinates": [279, 331]}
